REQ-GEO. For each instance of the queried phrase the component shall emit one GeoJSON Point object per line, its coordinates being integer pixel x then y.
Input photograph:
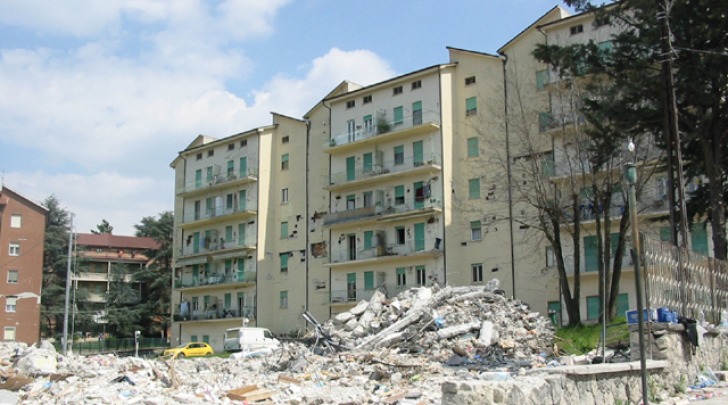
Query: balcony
{"type": "Point", "coordinates": [215, 280]}
{"type": "Point", "coordinates": [428, 248]}
{"type": "Point", "coordinates": [350, 297]}
{"type": "Point", "coordinates": [85, 276]}
{"type": "Point", "coordinates": [219, 213]}
{"type": "Point", "coordinates": [355, 215]}
{"type": "Point", "coordinates": [218, 181]}
{"type": "Point", "coordinates": [247, 311]}
{"type": "Point", "coordinates": [384, 212]}
{"type": "Point", "coordinates": [650, 208]}
{"type": "Point", "coordinates": [383, 171]}
{"type": "Point", "coordinates": [384, 130]}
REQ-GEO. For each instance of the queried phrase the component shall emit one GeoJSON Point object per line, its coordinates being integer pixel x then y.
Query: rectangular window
{"type": "Point", "coordinates": [593, 308]}
{"type": "Point", "coordinates": [399, 235]}
{"type": "Point", "coordinates": [195, 303]}
{"type": "Point", "coordinates": [14, 249]}
{"type": "Point", "coordinates": [208, 173]}
{"type": "Point", "coordinates": [605, 46]}
{"type": "Point", "coordinates": [283, 300]}
{"type": "Point", "coordinates": [368, 198]}
{"type": "Point", "coordinates": [399, 155]}
{"type": "Point", "coordinates": [367, 163]}
{"type": "Point", "coordinates": [367, 99]}
{"type": "Point", "coordinates": [206, 339]}
{"type": "Point", "coordinates": [10, 304]}
{"type": "Point", "coordinates": [284, 162]}
{"type": "Point", "coordinates": [542, 78]}
{"type": "Point", "coordinates": [699, 239]}
{"type": "Point", "coordinates": [211, 153]}
{"type": "Point", "coordinates": [284, 261]}
{"type": "Point", "coordinates": [229, 204]}
{"type": "Point", "coordinates": [199, 156]}
{"type": "Point", "coordinates": [193, 338]}
{"type": "Point", "coordinates": [9, 333]}
{"type": "Point", "coordinates": [600, 21]}
{"type": "Point", "coordinates": [477, 270]}
{"type": "Point", "coordinates": [231, 146]}
{"type": "Point", "coordinates": [15, 221]}
{"type": "Point", "coordinates": [285, 139]}
{"type": "Point", "coordinates": [471, 106]}
{"type": "Point", "coordinates": [401, 276]}
{"type": "Point", "coordinates": [417, 113]}
{"type": "Point", "coordinates": [550, 258]}
{"type": "Point", "coordinates": [576, 29]}
{"type": "Point", "coordinates": [350, 104]}
{"type": "Point", "coordinates": [398, 195]}
{"type": "Point", "coordinates": [228, 301]}
{"type": "Point", "coordinates": [397, 90]}
{"type": "Point", "coordinates": [284, 195]}
{"type": "Point", "coordinates": [368, 280]}
{"type": "Point", "coordinates": [368, 124]}
{"type": "Point", "coordinates": [469, 80]}
{"type": "Point", "coordinates": [421, 275]}
{"type": "Point", "coordinates": [351, 202]}
{"type": "Point", "coordinates": [474, 188]}
{"type": "Point", "coordinates": [284, 230]}
{"type": "Point", "coordinates": [368, 239]}
{"type": "Point", "coordinates": [475, 230]}
{"type": "Point", "coordinates": [416, 84]}
{"type": "Point", "coordinates": [398, 115]}
{"type": "Point", "coordinates": [473, 148]}
{"type": "Point", "coordinates": [230, 168]}
{"type": "Point", "coordinates": [591, 259]}
{"type": "Point", "coordinates": [243, 143]}
{"type": "Point", "coordinates": [12, 277]}
{"type": "Point", "coordinates": [546, 121]}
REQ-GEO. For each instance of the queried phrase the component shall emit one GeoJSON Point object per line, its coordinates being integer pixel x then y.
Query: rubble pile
{"type": "Point", "coordinates": [453, 325]}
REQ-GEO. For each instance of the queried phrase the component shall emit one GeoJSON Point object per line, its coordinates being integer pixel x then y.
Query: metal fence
{"type": "Point", "coordinates": [692, 284]}
{"type": "Point", "coordinates": [98, 346]}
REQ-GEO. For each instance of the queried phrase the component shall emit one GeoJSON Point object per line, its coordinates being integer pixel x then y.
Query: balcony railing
{"type": "Point", "coordinates": [247, 311]}
{"type": "Point", "coordinates": [215, 247]}
{"type": "Point", "coordinates": [587, 211]}
{"type": "Point", "coordinates": [353, 296]}
{"type": "Point", "coordinates": [250, 174]}
{"type": "Point", "coordinates": [219, 211]}
{"type": "Point", "coordinates": [410, 247]}
{"type": "Point", "coordinates": [214, 279]}
{"type": "Point", "coordinates": [92, 276]}
{"type": "Point", "coordinates": [383, 210]}
{"type": "Point", "coordinates": [352, 215]}
{"type": "Point", "coordinates": [382, 168]}
{"type": "Point", "coordinates": [382, 126]}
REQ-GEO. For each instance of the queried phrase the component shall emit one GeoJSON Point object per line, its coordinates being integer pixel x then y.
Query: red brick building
{"type": "Point", "coordinates": [22, 237]}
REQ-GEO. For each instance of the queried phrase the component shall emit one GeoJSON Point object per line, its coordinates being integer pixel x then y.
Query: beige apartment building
{"type": "Point", "coordinates": [416, 180]}
{"type": "Point", "coordinates": [22, 237]}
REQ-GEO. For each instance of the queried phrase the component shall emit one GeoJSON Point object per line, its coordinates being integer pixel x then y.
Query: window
{"type": "Point", "coordinates": [399, 235]}
{"type": "Point", "coordinates": [399, 155]}
{"type": "Point", "coordinates": [417, 113]}
{"type": "Point", "coordinates": [401, 276]}
{"type": "Point", "coordinates": [195, 304]}
{"type": "Point", "coordinates": [548, 165]}
{"type": "Point", "coordinates": [14, 249]}
{"type": "Point", "coordinates": [10, 304]}
{"type": "Point", "coordinates": [284, 195]}
{"type": "Point", "coordinates": [285, 139]}
{"type": "Point", "coordinates": [550, 257]}
{"type": "Point", "coordinates": [12, 277]}
{"type": "Point", "coordinates": [350, 202]}
{"type": "Point", "coordinates": [284, 262]}
{"type": "Point", "coordinates": [206, 339]}
{"type": "Point", "coordinates": [471, 106]}
{"type": "Point", "coordinates": [284, 162]}
{"type": "Point", "coordinates": [243, 143]}
{"type": "Point", "coordinates": [542, 78]}
{"type": "Point", "coordinates": [368, 198]}
{"type": "Point", "coordinates": [211, 153]}
{"type": "Point", "coordinates": [208, 170]}
{"type": "Point", "coordinates": [193, 338]}
{"type": "Point", "coordinates": [367, 163]}
{"type": "Point", "coordinates": [397, 90]}
{"type": "Point", "coordinates": [576, 29]}
{"type": "Point", "coordinates": [283, 299]}
{"type": "Point", "coordinates": [601, 21]}
{"type": "Point", "coordinates": [475, 232]}
{"type": "Point", "coordinates": [473, 148]}
{"type": "Point", "coordinates": [469, 80]}
{"type": "Point", "coordinates": [368, 280]}
{"type": "Point", "coordinates": [605, 46]}
{"type": "Point", "coordinates": [9, 333]}
{"type": "Point", "coordinates": [368, 124]}
{"type": "Point", "coordinates": [398, 195]}
{"type": "Point", "coordinates": [416, 84]}
{"type": "Point", "coordinates": [284, 230]}
{"type": "Point", "coordinates": [368, 239]}
{"type": "Point", "coordinates": [231, 146]}
{"type": "Point", "coordinates": [699, 239]}
{"type": "Point", "coordinates": [230, 168]}
{"type": "Point", "coordinates": [15, 221]}
{"type": "Point", "coordinates": [477, 270]}
{"type": "Point", "coordinates": [546, 121]}
{"type": "Point", "coordinates": [591, 260]}
{"type": "Point", "coordinates": [398, 115]}
{"type": "Point", "coordinates": [421, 275]}
{"type": "Point", "coordinates": [593, 308]}
{"type": "Point", "coordinates": [367, 99]}
{"type": "Point", "coordinates": [350, 104]}
{"type": "Point", "coordinates": [473, 188]}
{"type": "Point", "coordinates": [229, 201]}
{"type": "Point", "coordinates": [199, 156]}
{"type": "Point", "coordinates": [665, 234]}
{"type": "Point", "coordinates": [554, 308]}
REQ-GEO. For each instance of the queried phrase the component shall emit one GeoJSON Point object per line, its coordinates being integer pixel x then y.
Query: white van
{"type": "Point", "coordinates": [248, 338]}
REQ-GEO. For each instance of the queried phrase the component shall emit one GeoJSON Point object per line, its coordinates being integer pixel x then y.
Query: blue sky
{"type": "Point", "coordinates": [98, 97]}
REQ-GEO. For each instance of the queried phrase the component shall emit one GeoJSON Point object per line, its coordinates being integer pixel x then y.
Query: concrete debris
{"type": "Point", "coordinates": [397, 350]}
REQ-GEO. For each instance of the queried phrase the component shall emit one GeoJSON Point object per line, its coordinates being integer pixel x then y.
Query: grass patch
{"type": "Point", "coordinates": [584, 338]}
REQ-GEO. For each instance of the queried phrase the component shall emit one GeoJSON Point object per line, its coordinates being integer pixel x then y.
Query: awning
{"type": "Point", "coordinates": [189, 261]}
{"type": "Point", "coordinates": [231, 255]}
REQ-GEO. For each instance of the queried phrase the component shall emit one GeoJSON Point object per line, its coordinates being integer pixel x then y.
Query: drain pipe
{"type": "Point", "coordinates": [504, 59]}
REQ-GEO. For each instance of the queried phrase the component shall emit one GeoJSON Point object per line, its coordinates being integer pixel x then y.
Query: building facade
{"type": "Point", "coordinates": [22, 237]}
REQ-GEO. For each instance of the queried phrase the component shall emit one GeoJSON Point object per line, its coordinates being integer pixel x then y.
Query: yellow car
{"type": "Point", "coordinates": [190, 350]}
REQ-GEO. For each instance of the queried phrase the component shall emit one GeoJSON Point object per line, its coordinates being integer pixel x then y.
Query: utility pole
{"type": "Point", "coordinates": [64, 340]}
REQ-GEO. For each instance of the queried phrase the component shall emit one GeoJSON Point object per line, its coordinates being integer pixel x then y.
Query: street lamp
{"type": "Point", "coordinates": [630, 173]}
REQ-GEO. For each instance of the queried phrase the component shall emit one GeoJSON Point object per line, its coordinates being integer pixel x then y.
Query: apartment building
{"type": "Point", "coordinates": [103, 259]}
{"type": "Point", "coordinates": [22, 235]}
{"type": "Point", "coordinates": [240, 232]}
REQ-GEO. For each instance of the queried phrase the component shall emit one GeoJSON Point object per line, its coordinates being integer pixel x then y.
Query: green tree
{"type": "Point", "coordinates": [55, 263]}
{"type": "Point", "coordinates": [123, 308]}
{"type": "Point", "coordinates": [157, 278]}
{"type": "Point", "coordinates": [103, 227]}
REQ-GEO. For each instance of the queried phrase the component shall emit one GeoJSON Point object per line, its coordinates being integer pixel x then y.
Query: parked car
{"type": "Point", "coordinates": [190, 349]}
{"type": "Point", "coordinates": [237, 339]}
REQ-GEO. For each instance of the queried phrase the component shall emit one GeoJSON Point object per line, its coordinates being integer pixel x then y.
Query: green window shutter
{"type": "Point", "coordinates": [613, 245]}
{"type": "Point", "coordinates": [593, 308]}
{"type": "Point", "coordinates": [591, 260]}
{"type": "Point", "coordinates": [198, 178]}
{"type": "Point", "coordinates": [417, 105]}
{"type": "Point", "coordinates": [284, 230]}
{"type": "Point", "coordinates": [548, 166]}
{"type": "Point", "coordinates": [605, 46]}
{"type": "Point", "coordinates": [473, 148]}
{"type": "Point", "coordinates": [368, 280]}
{"type": "Point", "coordinates": [367, 164]}
{"type": "Point", "coordinates": [542, 78]}
{"type": "Point", "coordinates": [474, 188]}
{"type": "Point", "coordinates": [193, 338]}
{"type": "Point", "coordinates": [243, 166]}
{"type": "Point", "coordinates": [241, 235]}
{"type": "Point", "coordinates": [241, 268]}
{"type": "Point", "coordinates": [209, 173]}
{"type": "Point", "coordinates": [350, 168]}
{"type": "Point", "coordinates": [622, 304]}
{"type": "Point", "coordinates": [665, 234]}
{"type": "Point", "coordinates": [284, 261]}
{"type": "Point", "coordinates": [555, 307]}
{"type": "Point", "coordinates": [699, 239]}
{"type": "Point", "coordinates": [242, 200]}
{"type": "Point", "coordinates": [545, 121]}
{"type": "Point", "coordinates": [368, 238]}
{"type": "Point", "coordinates": [229, 233]}
{"type": "Point", "coordinates": [206, 339]}
{"type": "Point", "coordinates": [399, 195]}
{"type": "Point", "coordinates": [471, 106]}
{"type": "Point", "coordinates": [420, 236]}
{"type": "Point", "coordinates": [230, 166]}
{"type": "Point", "coordinates": [418, 153]}
{"type": "Point", "coordinates": [228, 301]}
{"type": "Point", "coordinates": [398, 115]}
{"type": "Point", "coordinates": [228, 266]}
{"type": "Point", "coordinates": [399, 155]}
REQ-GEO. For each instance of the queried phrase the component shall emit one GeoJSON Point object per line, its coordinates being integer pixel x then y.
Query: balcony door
{"type": "Point", "coordinates": [350, 168]}
{"type": "Point", "coordinates": [351, 286]}
{"type": "Point", "coordinates": [351, 246]}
